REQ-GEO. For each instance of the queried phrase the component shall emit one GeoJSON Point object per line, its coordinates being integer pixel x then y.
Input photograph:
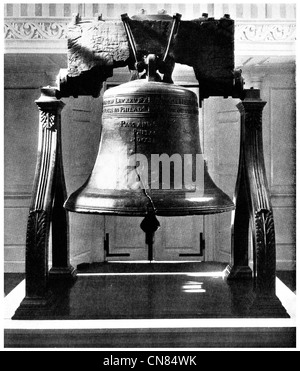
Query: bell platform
{"type": "Point", "coordinates": [118, 305]}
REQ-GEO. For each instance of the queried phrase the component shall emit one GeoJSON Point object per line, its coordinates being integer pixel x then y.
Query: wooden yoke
{"type": "Point", "coordinates": [97, 47]}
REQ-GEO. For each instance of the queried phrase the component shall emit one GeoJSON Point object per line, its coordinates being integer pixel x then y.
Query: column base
{"type": "Point", "coordinates": [62, 274]}
{"type": "Point", "coordinates": [237, 272]}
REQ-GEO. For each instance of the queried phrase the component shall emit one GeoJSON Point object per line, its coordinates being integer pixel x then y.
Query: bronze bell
{"type": "Point", "coordinates": [143, 123]}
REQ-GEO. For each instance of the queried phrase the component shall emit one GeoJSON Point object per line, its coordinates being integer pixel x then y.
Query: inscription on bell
{"type": "Point", "coordinates": [155, 99]}
{"type": "Point", "coordinates": [108, 101]}
{"type": "Point", "coordinates": [140, 131]}
{"type": "Point", "coordinates": [126, 100]}
{"type": "Point", "coordinates": [131, 100]}
{"type": "Point", "coordinates": [141, 139]}
{"type": "Point", "coordinates": [125, 109]}
{"type": "Point", "coordinates": [138, 124]}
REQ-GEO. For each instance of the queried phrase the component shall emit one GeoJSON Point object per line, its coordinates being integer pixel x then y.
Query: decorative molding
{"type": "Point", "coordinates": [47, 120]}
{"type": "Point", "coordinates": [18, 195]}
{"type": "Point", "coordinates": [266, 250]}
{"type": "Point", "coordinates": [34, 30]}
{"type": "Point", "coordinates": [37, 252]}
{"type": "Point", "coordinates": [36, 237]}
{"type": "Point", "coordinates": [51, 35]}
{"type": "Point", "coordinates": [56, 29]}
{"type": "Point", "coordinates": [265, 32]}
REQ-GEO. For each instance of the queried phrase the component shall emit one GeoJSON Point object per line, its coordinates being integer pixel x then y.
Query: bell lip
{"type": "Point", "coordinates": [164, 203]}
{"type": "Point", "coordinates": [175, 211]}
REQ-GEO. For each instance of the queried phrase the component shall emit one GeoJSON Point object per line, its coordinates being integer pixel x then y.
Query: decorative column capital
{"type": "Point", "coordinates": [50, 107]}
{"type": "Point", "coordinates": [251, 105]}
{"type": "Point", "coordinates": [251, 108]}
{"type": "Point", "coordinates": [251, 101]}
{"type": "Point", "coordinates": [48, 101]}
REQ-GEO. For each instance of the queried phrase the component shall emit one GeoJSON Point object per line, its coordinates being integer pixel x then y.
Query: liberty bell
{"type": "Point", "coordinates": [149, 157]}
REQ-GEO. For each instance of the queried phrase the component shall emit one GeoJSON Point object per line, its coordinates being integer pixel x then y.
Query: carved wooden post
{"type": "Point", "coordinates": [253, 202]}
{"type": "Point", "coordinates": [47, 206]}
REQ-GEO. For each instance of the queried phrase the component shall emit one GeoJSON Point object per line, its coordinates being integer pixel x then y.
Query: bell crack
{"type": "Point", "coordinates": [150, 223]}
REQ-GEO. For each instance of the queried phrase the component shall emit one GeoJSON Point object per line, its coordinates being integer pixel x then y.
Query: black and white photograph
{"type": "Point", "coordinates": [149, 179]}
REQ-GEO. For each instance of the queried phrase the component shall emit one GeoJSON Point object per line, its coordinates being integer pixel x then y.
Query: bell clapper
{"type": "Point", "coordinates": [150, 225]}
